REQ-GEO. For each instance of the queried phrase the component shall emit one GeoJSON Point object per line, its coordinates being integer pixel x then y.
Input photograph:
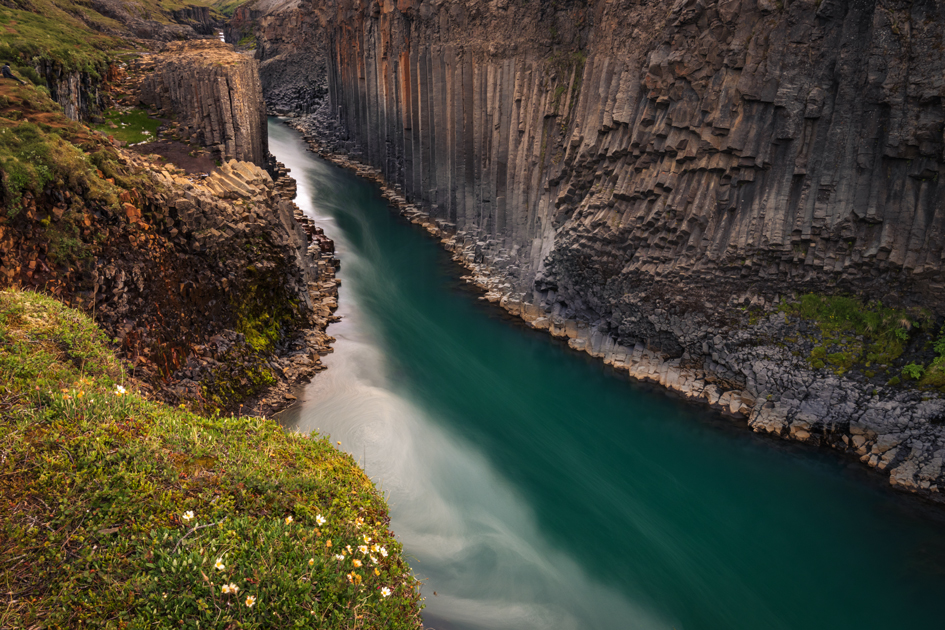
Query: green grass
{"type": "Point", "coordinates": [130, 126]}
{"type": "Point", "coordinates": [54, 35]}
{"type": "Point", "coordinates": [247, 41]}
{"type": "Point", "coordinates": [933, 375]}
{"type": "Point", "coordinates": [98, 486]}
{"type": "Point", "coordinates": [40, 146]}
{"type": "Point", "coordinates": [37, 155]}
{"type": "Point", "coordinates": [856, 333]}
{"type": "Point", "coordinates": [70, 33]}
{"type": "Point", "coordinates": [228, 7]}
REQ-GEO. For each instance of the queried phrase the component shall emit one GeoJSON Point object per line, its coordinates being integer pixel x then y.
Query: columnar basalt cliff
{"type": "Point", "coordinates": [288, 38]}
{"type": "Point", "coordinates": [79, 93]}
{"type": "Point", "coordinates": [197, 18]}
{"type": "Point", "coordinates": [215, 96]}
{"type": "Point", "coordinates": [631, 174]}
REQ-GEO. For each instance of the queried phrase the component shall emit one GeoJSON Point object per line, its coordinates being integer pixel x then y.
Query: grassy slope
{"type": "Point", "coordinates": [53, 31]}
{"type": "Point", "coordinates": [95, 487]}
{"type": "Point", "coordinates": [39, 148]}
{"type": "Point", "coordinates": [71, 33]}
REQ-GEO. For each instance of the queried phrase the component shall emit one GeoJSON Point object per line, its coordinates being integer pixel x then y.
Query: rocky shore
{"type": "Point", "coordinates": [755, 369]}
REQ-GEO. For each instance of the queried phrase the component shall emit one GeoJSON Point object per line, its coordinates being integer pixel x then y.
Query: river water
{"type": "Point", "coordinates": [533, 488]}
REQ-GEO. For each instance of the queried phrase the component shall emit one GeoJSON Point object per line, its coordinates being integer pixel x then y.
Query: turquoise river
{"type": "Point", "coordinates": [533, 488]}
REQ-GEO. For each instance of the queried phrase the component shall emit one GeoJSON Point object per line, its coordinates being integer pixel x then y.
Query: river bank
{"type": "Point", "coordinates": [757, 368]}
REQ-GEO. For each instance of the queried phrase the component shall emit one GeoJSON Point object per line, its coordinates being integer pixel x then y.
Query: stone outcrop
{"type": "Point", "coordinates": [142, 21]}
{"type": "Point", "coordinates": [632, 174]}
{"type": "Point", "coordinates": [288, 39]}
{"type": "Point", "coordinates": [79, 93]}
{"type": "Point", "coordinates": [214, 95]}
{"type": "Point", "coordinates": [216, 289]}
{"type": "Point", "coordinates": [197, 18]}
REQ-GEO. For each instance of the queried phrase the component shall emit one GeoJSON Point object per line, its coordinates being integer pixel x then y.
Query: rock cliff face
{"type": "Point", "coordinates": [210, 286]}
{"type": "Point", "coordinates": [197, 18]}
{"type": "Point", "coordinates": [289, 40]}
{"type": "Point", "coordinates": [148, 22]}
{"type": "Point", "coordinates": [628, 174]}
{"type": "Point", "coordinates": [215, 96]}
{"type": "Point", "coordinates": [79, 93]}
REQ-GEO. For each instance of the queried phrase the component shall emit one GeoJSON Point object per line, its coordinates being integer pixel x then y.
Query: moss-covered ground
{"type": "Point", "coordinates": [42, 150]}
{"type": "Point", "coordinates": [119, 512]}
{"type": "Point", "coordinates": [74, 36]}
{"type": "Point", "coordinates": [853, 333]}
{"type": "Point", "coordinates": [44, 30]}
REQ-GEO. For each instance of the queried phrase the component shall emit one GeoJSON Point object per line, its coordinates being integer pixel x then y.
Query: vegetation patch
{"type": "Point", "coordinates": [130, 126]}
{"type": "Point", "coordinates": [856, 333]}
{"type": "Point", "coordinates": [34, 157]}
{"type": "Point", "coordinates": [264, 313]}
{"type": "Point", "coordinates": [932, 375]}
{"type": "Point", "coordinates": [48, 33]}
{"type": "Point", "coordinates": [119, 512]}
{"type": "Point", "coordinates": [243, 373]}
{"type": "Point", "coordinates": [247, 41]}
{"type": "Point", "coordinates": [42, 150]}
{"type": "Point", "coordinates": [228, 7]}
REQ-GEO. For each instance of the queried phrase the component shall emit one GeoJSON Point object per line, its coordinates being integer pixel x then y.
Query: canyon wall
{"type": "Point", "coordinates": [614, 143]}
{"type": "Point", "coordinates": [650, 179]}
{"type": "Point", "coordinates": [79, 93]}
{"type": "Point", "coordinates": [214, 94]}
{"type": "Point", "coordinates": [197, 18]}
{"type": "Point", "coordinates": [288, 39]}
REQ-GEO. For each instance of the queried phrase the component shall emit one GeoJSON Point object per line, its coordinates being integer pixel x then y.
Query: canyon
{"type": "Point", "coordinates": [658, 182]}
{"type": "Point", "coordinates": [736, 202]}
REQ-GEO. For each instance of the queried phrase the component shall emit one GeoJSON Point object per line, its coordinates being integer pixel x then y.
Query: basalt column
{"type": "Point", "coordinates": [634, 175]}
{"type": "Point", "coordinates": [214, 94]}
{"type": "Point", "coordinates": [796, 141]}
{"type": "Point", "coordinates": [466, 134]}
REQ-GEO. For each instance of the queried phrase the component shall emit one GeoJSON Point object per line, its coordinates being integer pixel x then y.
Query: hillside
{"type": "Point", "coordinates": [123, 512]}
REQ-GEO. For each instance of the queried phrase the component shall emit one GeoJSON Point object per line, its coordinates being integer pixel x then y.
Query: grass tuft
{"type": "Point", "coordinates": [131, 126]}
